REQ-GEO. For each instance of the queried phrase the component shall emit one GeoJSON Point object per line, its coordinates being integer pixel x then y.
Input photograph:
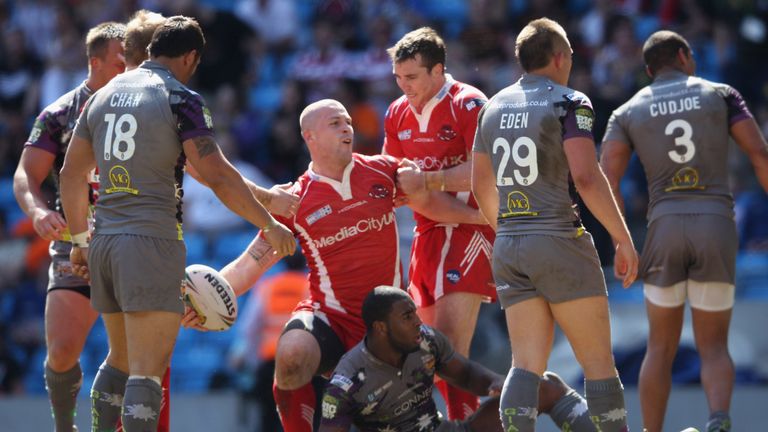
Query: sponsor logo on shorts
{"type": "Point", "coordinates": [341, 382]}
{"type": "Point", "coordinates": [404, 134]}
{"type": "Point", "coordinates": [446, 133]}
{"type": "Point", "coordinates": [378, 191]}
{"type": "Point", "coordinates": [453, 276]}
{"type": "Point", "coordinates": [685, 179]}
{"type": "Point", "coordinates": [655, 269]}
{"type": "Point", "coordinates": [319, 214]}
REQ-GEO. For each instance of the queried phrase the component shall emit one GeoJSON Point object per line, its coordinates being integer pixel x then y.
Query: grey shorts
{"type": "Point", "coordinates": [132, 273]}
{"type": "Point", "coordinates": [60, 271]}
{"type": "Point", "coordinates": [682, 247]}
{"type": "Point", "coordinates": [557, 268]}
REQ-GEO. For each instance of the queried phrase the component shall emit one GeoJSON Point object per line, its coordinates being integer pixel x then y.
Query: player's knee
{"type": "Point", "coordinates": [62, 356]}
{"type": "Point", "coordinates": [294, 366]}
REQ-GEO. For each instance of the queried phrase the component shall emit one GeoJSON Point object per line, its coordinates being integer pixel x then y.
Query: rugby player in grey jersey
{"type": "Point", "coordinates": [139, 130]}
{"type": "Point", "coordinates": [68, 313]}
{"type": "Point", "coordinates": [679, 127]}
{"type": "Point", "coordinates": [532, 138]}
{"type": "Point", "coordinates": [385, 382]}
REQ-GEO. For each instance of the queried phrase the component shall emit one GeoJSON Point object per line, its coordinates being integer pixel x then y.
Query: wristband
{"type": "Point", "coordinates": [442, 180]}
{"type": "Point", "coordinates": [271, 224]}
{"type": "Point", "coordinates": [80, 240]}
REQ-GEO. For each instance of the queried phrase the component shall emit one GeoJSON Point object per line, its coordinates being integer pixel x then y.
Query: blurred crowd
{"type": "Point", "coordinates": [266, 59]}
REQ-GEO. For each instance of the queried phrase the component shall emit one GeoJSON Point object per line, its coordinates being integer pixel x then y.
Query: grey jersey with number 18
{"type": "Point", "coordinates": [137, 124]}
{"type": "Point", "coordinates": [522, 128]}
{"type": "Point", "coordinates": [679, 127]}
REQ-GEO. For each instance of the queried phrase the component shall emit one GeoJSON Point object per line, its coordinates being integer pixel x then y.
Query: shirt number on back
{"type": "Point", "coordinates": [684, 141]}
{"type": "Point", "coordinates": [527, 161]}
{"type": "Point", "coordinates": [119, 139]}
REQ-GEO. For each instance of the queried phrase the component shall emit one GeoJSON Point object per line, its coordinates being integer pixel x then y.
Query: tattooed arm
{"type": "Point", "coordinates": [246, 269]}
{"type": "Point", "coordinates": [204, 155]}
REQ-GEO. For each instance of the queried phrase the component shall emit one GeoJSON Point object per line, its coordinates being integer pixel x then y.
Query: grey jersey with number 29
{"type": "Point", "coordinates": [522, 128]}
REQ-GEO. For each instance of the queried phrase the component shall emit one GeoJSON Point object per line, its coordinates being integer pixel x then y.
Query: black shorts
{"type": "Point", "coordinates": [331, 348]}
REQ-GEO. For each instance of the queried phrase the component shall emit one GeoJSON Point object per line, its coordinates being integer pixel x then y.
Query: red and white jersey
{"type": "Point", "coordinates": [440, 137]}
{"type": "Point", "coordinates": [348, 233]}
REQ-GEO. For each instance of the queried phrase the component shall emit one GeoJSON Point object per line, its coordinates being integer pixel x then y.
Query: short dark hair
{"type": "Point", "coordinates": [661, 48]}
{"type": "Point", "coordinates": [378, 304]}
{"type": "Point", "coordinates": [537, 43]}
{"type": "Point", "coordinates": [424, 41]}
{"type": "Point", "coordinates": [138, 34]}
{"type": "Point", "coordinates": [177, 36]}
{"type": "Point", "coordinates": [98, 38]}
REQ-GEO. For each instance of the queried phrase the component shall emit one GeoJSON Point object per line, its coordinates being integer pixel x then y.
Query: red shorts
{"type": "Point", "coordinates": [448, 259]}
{"type": "Point", "coordinates": [350, 329]}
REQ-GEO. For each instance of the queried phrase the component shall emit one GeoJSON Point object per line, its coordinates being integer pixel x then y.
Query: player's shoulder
{"type": "Point", "coordinates": [375, 161]}
{"type": "Point", "coordinates": [64, 103]}
{"type": "Point", "coordinates": [467, 97]}
{"type": "Point", "coordinates": [350, 373]}
{"type": "Point", "coordinates": [720, 88]}
{"type": "Point", "coordinates": [397, 107]}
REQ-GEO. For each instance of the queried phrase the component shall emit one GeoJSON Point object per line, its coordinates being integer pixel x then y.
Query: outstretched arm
{"type": "Point", "coordinates": [484, 188]}
{"type": "Point", "coordinates": [245, 270]}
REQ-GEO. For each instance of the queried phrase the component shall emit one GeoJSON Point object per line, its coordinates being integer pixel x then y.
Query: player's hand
{"type": "Point", "coordinates": [281, 239]}
{"type": "Point", "coordinates": [79, 259]}
{"type": "Point", "coordinates": [411, 180]}
{"type": "Point", "coordinates": [191, 320]}
{"type": "Point", "coordinates": [49, 224]}
{"type": "Point", "coordinates": [625, 263]}
{"type": "Point", "coordinates": [495, 388]}
{"type": "Point", "coordinates": [282, 202]}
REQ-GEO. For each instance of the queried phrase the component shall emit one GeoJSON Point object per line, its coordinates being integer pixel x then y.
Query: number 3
{"type": "Point", "coordinates": [112, 147]}
{"type": "Point", "coordinates": [683, 140]}
{"type": "Point", "coordinates": [528, 161]}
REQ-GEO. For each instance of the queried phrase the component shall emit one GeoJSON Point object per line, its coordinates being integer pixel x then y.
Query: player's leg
{"type": "Point", "coordinates": [455, 314]}
{"type": "Point", "coordinates": [711, 307]}
{"type": "Point", "coordinates": [68, 320]}
{"type": "Point", "coordinates": [150, 338]}
{"type": "Point", "coordinates": [665, 308]}
{"type": "Point", "coordinates": [486, 418]}
{"type": "Point", "coordinates": [586, 324]}
{"type": "Point", "coordinates": [564, 405]}
{"type": "Point", "coordinates": [308, 346]}
{"type": "Point", "coordinates": [531, 331]}
{"type": "Point", "coordinates": [109, 384]}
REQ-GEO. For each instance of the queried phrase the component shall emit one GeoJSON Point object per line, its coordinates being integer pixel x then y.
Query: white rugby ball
{"type": "Point", "coordinates": [210, 295]}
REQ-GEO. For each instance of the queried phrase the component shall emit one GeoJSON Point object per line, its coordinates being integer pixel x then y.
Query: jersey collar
{"type": "Point", "coordinates": [343, 187]}
{"type": "Point", "coordinates": [426, 112]}
{"type": "Point", "coordinates": [669, 75]}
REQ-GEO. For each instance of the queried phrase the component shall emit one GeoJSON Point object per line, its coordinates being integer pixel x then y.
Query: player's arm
{"type": "Point", "coordinates": [444, 208]}
{"type": "Point", "coordinates": [78, 161]}
{"type": "Point", "coordinates": [412, 180]}
{"type": "Point", "coordinates": [245, 270]}
{"type": "Point", "coordinates": [484, 188]}
{"type": "Point", "coordinates": [337, 410]}
{"type": "Point", "coordinates": [471, 376]}
{"type": "Point", "coordinates": [229, 186]}
{"type": "Point", "coordinates": [747, 135]}
{"type": "Point", "coordinates": [33, 168]}
{"type": "Point", "coordinates": [614, 159]}
{"type": "Point", "coordinates": [277, 199]}
{"type": "Point", "coordinates": [594, 190]}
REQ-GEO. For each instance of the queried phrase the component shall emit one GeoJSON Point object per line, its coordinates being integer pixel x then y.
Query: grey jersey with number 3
{"type": "Point", "coordinates": [679, 127]}
{"type": "Point", "coordinates": [136, 125]}
{"type": "Point", "coordinates": [522, 128]}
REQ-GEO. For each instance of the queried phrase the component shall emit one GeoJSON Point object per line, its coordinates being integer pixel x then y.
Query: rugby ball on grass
{"type": "Point", "coordinates": [211, 297]}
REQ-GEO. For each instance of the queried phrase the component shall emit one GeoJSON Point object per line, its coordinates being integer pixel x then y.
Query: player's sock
{"type": "Point", "coordinates": [164, 425]}
{"type": "Point", "coordinates": [605, 399]}
{"type": "Point", "coordinates": [519, 399]}
{"type": "Point", "coordinates": [141, 405]}
{"type": "Point", "coordinates": [107, 398]}
{"type": "Point", "coordinates": [62, 392]}
{"type": "Point", "coordinates": [460, 404]}
{"type": "Point", "coordinates": [570, 413]}
{"type": "Point", "coordinates": [295, 407]}
{"type": "Point", "coordinates": [719, 421]}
